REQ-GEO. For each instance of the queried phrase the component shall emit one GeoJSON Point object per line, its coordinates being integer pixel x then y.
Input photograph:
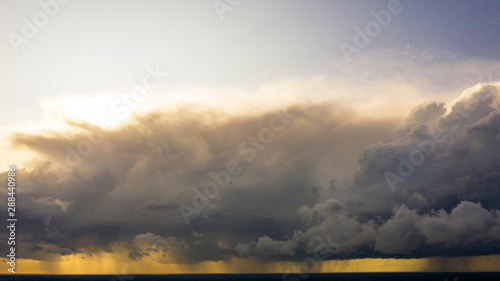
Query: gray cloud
{"type": "Point", "coordinates": [148, 242]}
{"type": "Point", "coordinates": [446, 203]}
{"type": "Point", "coordinates": [268, 246]}
{"type": "Point", "coordinates": [320, 179]}
{"type": "Point", "coordinates": [60, 251]}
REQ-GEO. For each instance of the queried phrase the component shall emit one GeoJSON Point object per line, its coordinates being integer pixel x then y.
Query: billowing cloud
{"type": "Point", "coordinates": [262, 185]}
{"type": "Point", "coordinates": [432, 190]}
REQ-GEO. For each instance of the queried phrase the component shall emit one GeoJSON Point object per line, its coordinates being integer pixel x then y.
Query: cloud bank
{"type": "Point", "coordinates": [363, 187]}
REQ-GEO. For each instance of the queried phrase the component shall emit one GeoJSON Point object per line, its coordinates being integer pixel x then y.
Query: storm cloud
{"type": "Point", "coordinates": [364, 187]}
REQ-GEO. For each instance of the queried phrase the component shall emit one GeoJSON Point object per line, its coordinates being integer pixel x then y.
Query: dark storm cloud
{"type": "Point", "coordinates": [149, 242]}
{"type": "Point", "coordinates": [60, 251]}
{"type": "Point", "coordinates": [295, 192]}
{"type": "Point", "coordinates": [441, 196]}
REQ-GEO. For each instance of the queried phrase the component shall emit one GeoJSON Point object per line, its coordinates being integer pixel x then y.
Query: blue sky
{"type": "Point", "coordinates": [90, 46]}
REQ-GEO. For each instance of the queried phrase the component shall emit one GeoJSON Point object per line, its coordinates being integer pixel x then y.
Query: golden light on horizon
{"type": "Point", "coordinates": [106, 263]}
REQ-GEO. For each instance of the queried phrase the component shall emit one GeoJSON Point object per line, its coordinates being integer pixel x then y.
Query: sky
{"type": "Point", "coordinates": [243, 136]}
